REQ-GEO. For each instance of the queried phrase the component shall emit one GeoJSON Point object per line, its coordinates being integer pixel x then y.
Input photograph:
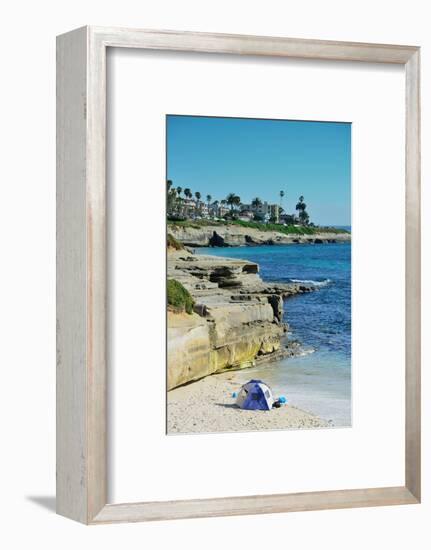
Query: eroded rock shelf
{"type": "Point", "coordinates": [237, 317]}
{"type": "Point", "coordinates": [236, 235]}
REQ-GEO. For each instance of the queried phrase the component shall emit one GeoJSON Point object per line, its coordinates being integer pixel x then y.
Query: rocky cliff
{"type": "Point", "coordinates": [237, 317]}
{"type": "Point", "coordinates": [236, 235]}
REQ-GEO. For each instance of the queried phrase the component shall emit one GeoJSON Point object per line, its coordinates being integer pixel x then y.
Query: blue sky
{"type": "Point", "coordinates": [255, 157]}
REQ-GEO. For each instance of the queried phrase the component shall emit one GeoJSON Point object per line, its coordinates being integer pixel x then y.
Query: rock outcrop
{"type": "Point", "coordinates": [236, 235]}
{"type": "Point", "coordinates": [237, 317]}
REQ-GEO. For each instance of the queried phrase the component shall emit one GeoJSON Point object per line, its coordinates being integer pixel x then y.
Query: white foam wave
{"type": "Point", "coordinates": [311, 282]}
{"type": "Point", "coordinates": [304, 352]}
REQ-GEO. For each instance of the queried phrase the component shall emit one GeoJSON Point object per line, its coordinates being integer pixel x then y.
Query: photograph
{"type": "Point", "coordinates": [258, 240]}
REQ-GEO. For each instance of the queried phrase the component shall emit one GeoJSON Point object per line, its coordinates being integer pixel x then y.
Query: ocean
{"type": "Point", "coordinates": [318, 381]}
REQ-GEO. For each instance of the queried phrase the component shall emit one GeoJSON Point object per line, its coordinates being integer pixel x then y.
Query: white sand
{"type": "Point", "coordinates": [207, 406]}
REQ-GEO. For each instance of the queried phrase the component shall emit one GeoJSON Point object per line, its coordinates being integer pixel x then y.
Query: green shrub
{"type": "Point", "coordinates": [179, 297]}
{"type": "Point", "coordinates": [172, 242]}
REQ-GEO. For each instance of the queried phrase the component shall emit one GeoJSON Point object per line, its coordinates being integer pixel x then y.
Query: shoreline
{"type": "Point", "coordinates": [207, 406]}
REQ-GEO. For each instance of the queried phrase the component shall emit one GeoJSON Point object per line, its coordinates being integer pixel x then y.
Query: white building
{"type": "Point", "coordinates": [264, 209]}
{"type": "Point", "coordinates": [203, 210]}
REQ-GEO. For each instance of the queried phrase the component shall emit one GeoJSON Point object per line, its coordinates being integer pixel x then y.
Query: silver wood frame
{"type": "Point", "coordinates": [81, 274]}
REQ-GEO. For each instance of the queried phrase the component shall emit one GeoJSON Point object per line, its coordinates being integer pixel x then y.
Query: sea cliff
{"type": "Point", "coordinates": [237, 235]}
{"type": "Point", "coordinates": [236, 320]}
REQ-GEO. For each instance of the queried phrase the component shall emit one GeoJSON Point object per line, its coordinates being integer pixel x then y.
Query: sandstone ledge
{"type": "Point", "coordinates": [237, 317]}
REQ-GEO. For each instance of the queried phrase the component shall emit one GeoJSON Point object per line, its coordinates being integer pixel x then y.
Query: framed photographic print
{"type": "Point", "coordinates": [236, 333]}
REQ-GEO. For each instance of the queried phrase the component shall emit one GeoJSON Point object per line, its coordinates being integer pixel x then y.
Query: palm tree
{"type": "Point", "coordinates": [188, 195]}
{"type": "Point", "coordinates": [304, 217]}
{"type": "Point", "coordinates": [169, 196]}
{"type": "Point", "coordinates": [198, 198]}
{"type": "Point", "coordinates": [223, 205]}
{"type": "Point", "coordinates": [281, 197]}
{"type": "Point", "coordinates": [233, 200]}
{"type": "Point", "coordinates": [301, 206]}
{"type": "Point", "coordinates": [172, 200]}
{"type": "Point", "coordinates": [209, 200]}
{"type": "Point", "coordinates": [178, 199]}
{"type": "Point", "coordinates": [256, 202]}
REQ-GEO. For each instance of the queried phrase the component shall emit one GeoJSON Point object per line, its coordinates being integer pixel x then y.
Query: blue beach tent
{"type": "Point", "coordinates": [255, 395]}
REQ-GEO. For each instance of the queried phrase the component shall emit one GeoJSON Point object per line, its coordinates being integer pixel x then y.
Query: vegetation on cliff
{"type": "Point", "coordinates": [172, 242]}
{"type": "Point", "coordinates": [285, 229]}
{"type": "Point", "coordinates": [179, 297]}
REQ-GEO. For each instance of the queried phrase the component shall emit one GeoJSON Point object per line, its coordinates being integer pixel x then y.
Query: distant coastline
{"type": "Point", "coordinates": [225, 234]}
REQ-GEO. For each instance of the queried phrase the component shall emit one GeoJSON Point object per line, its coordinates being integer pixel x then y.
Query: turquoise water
{"type": "Point", "coordinates": [320, 380]}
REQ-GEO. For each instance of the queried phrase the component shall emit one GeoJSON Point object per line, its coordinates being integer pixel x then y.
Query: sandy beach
{"type": "Point", "coordinates": [207, 406]}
